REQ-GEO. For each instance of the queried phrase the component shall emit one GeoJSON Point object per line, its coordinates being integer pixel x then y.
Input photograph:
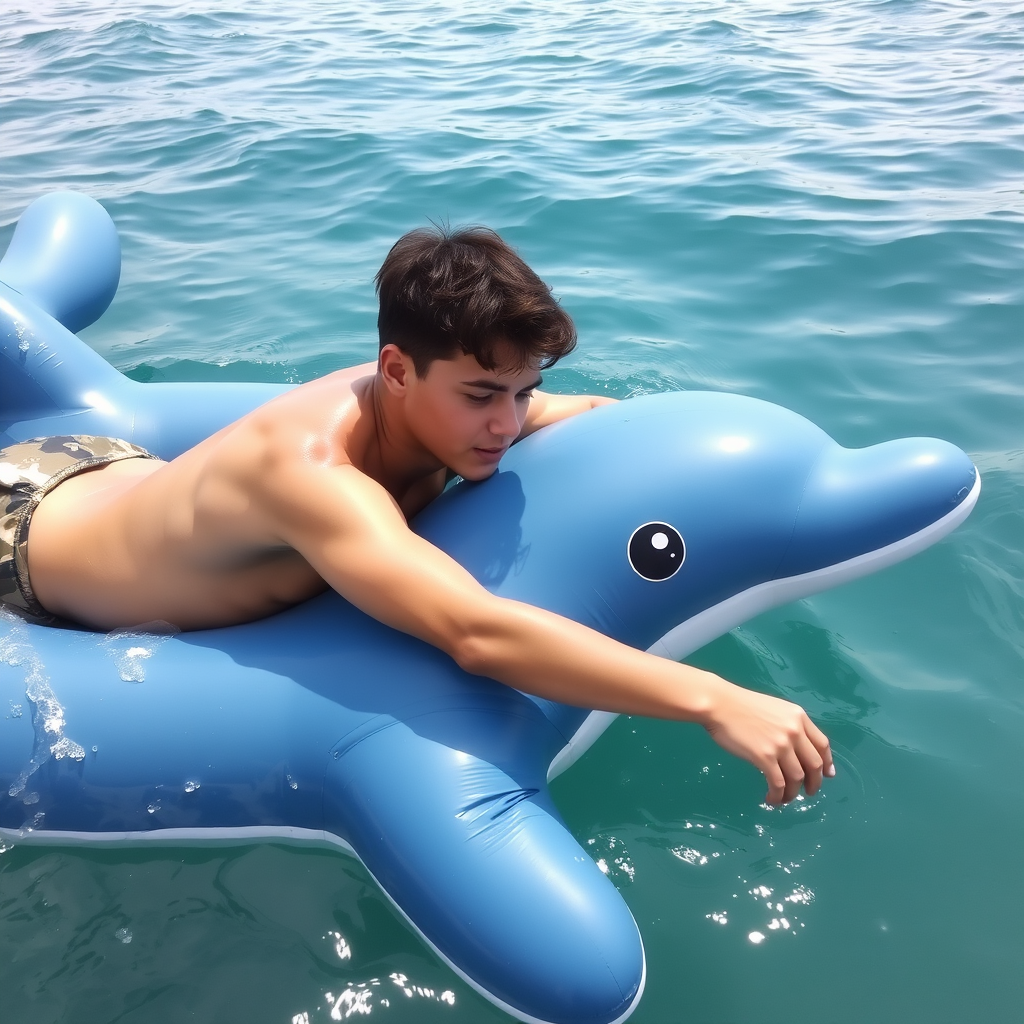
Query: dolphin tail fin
{"type": "Point", "coordinates": [65, 257]}
{"type": "Point", "coordinates": [59, 274]}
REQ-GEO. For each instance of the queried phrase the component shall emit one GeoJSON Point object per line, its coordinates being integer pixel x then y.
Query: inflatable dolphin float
{"type": "Point", "coordinates": [661, 521]}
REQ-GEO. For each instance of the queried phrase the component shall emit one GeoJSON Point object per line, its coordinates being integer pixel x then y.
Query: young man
{"type": "Point", "coordinates": [315, 489]}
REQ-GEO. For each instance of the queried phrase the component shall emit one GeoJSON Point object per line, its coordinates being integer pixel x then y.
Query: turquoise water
{"type": "Point", "coordinates": [817, 204]}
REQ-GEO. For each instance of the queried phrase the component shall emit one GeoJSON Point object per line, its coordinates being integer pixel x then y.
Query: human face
{"type": "Point", "coordinates": [467, 416]}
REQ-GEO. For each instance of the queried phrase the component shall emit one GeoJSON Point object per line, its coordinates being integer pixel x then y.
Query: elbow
{"type": "Point", "coordinates": [472, 653]}
{"type": "Point", "coordinates": [477, 643]}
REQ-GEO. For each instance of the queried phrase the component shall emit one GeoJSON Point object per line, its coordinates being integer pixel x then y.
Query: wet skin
{"type": "Point", "coordinates": [315, 490]}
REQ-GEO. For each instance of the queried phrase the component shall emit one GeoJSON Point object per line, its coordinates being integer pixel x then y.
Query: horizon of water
{"type": "Point", "coordinates": [819, 205]}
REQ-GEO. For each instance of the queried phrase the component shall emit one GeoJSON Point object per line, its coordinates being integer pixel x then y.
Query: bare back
{"type": "Point", "coordinates": [190, 541]}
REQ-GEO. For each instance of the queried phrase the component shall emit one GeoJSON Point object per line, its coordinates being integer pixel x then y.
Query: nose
{"type": "Point", "coordinates": [506, 422]}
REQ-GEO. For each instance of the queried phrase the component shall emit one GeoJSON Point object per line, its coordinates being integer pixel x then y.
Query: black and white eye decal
{"type": "Point", "coordinates": [656, 551]}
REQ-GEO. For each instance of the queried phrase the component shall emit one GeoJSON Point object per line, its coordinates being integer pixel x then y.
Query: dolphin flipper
{"type": "Point", "coordinates": [501, 891]}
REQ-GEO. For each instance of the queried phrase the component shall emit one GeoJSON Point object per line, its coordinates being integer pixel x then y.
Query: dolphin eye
{"type": "Point", "coordinates": [656, 551]}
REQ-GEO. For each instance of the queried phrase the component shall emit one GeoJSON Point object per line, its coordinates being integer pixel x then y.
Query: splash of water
{"type": "Point", "coordinates": [130, 648]}
{"type": "Point", "coordinates": [47, 712]}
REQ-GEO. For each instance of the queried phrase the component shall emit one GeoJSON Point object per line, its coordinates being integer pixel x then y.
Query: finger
{"type": "Point", "coordinates": [794, 772]}
{"type": "Point", "coordinates": [821, 744]}
{"type": "Point", "coordinates": [812, 762]}
{"type": "Point", "coordinates": [776, 783]}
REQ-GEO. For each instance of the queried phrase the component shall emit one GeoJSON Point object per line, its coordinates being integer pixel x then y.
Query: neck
{"type": "Point", "coordinates": [392, 454]}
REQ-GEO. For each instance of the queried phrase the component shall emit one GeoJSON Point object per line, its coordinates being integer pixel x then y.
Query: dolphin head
{"type": "Point", "coordinates": [641, 516]}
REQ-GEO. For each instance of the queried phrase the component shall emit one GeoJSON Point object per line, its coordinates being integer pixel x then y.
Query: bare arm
{"type": "Point", "coordinates": [351, 531]}
{"type": "Point", "coordinates": [546, 409]}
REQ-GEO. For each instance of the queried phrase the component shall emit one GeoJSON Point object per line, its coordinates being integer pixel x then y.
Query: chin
{"type": "Point", "coordinates": [478, 474]}
{"type": "Point", "coordinates": [477, 471]}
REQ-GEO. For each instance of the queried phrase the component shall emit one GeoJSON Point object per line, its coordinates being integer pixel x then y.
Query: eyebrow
{"type": "Point", "coordinates": [489, 385]}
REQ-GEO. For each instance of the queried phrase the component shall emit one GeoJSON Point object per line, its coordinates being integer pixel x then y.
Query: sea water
{"type": "Point", "coordinates": [818, 204]}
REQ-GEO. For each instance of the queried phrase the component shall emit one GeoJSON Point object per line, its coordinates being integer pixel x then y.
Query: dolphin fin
{"type": "Point", "coordinates": [59, 274]}
{"type": "Point", "coordinates": [65, 257]}
{"type": "Point", "coordinates": [501, 890]}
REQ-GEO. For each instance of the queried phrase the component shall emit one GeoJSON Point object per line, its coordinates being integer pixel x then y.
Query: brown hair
{"type": "Point", "coordinates": [444, 290]}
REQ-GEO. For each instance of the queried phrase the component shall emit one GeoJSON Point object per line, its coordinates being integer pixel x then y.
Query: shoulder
{"type": "Point", "coordinates": [293, 445]}
{"type": "Point", "coordinates": [312, 426]}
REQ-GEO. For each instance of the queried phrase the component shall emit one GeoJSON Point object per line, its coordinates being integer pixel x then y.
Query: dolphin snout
{"type": "Point", "coordinates": [859, 500]}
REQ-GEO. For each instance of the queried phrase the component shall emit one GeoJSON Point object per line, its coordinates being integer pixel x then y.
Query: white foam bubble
{"type": "Point", "coordinates": [130, 648]}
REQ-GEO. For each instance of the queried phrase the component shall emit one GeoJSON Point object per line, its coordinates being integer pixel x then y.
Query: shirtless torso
{"type": "Point", "coordinates": [228, 532]}
{"type": "Point", "coordinates": [188, 541]}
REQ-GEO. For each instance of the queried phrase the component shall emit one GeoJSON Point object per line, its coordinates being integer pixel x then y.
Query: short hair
{"type": "Point", "coordinates": [443, 291]}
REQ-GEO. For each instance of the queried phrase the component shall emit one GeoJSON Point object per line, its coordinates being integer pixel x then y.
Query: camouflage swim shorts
{"type": "Point", "coordinates": [29, 470]}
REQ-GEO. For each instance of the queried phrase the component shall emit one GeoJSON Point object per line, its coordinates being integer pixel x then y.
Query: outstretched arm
{"type": "Point", "coordinates": [352, 532]}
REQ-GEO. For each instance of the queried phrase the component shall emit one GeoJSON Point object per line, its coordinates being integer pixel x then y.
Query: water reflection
{"type": "Point", "coordinates": [612, 858]}
{"type": "Point", "coordinates": [361, 998]}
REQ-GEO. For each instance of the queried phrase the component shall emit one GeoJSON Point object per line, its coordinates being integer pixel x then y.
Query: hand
{"type": "Point", "coordinates": [775, 736]}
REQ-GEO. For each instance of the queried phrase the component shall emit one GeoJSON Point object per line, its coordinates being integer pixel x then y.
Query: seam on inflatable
{"type": "Point", "coordinates": [612, 616]}
{"type": "Point", "coordinates": [381, 723]}
{"type": "Point", "coordinates": [227, 836]}
{"type": "Point", "coordinates": [363, 731]}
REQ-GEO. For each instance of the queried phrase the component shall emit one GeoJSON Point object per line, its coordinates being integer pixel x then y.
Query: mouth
{"type": "Point", "coordinates": [490, 455]}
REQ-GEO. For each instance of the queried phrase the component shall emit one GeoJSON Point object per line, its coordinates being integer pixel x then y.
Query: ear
{"type": "Point", "coordinates": [396, 369]}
